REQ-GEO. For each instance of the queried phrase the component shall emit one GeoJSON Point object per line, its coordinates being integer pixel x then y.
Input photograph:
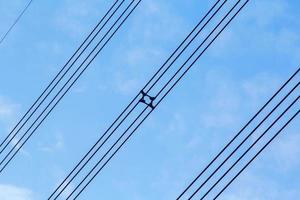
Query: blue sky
{"type": "Point", "coordinates": [225, 88]}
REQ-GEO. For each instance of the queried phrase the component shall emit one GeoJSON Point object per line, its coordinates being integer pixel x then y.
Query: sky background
{"type": "Point", "coordinates": [236, 76]}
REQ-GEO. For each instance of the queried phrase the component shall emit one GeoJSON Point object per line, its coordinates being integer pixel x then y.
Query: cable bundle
{"type": "Point", "coordinates": [150, 96]}
{"type": "Point", "coordinates": [289, 109]}
{"type": "Point", "coordinates": [66, 78]}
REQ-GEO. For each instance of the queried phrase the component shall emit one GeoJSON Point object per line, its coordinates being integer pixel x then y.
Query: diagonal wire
{"type": "Point", "coordinates": [257, 140]}
{"type": "Point", "coordinates": [11, 136]}
{"type": "Point", "coordinates": [15, 22]}
{"type": "Point", "coordinates": [238, 134]}
{"type": "Point", "coordinates": [70, 85]}
{"type": "Point", "coordinates": [192, 55]}
{"type": "Point", "coordinates": [86, 155]}
{"type": "Point", "coordinates": [248, 136]}
{"type": "Point", "coordinates": [200, 30]}
{"type": "Point", "coordinates": [256, 155]}
{"type": "Point", "coordinates": [49, 104]}
{"type": "Point", "coordinates": [110, 149]}
{"type": "Point", "coordinates": [200, 55]}
{"type": "Point", "coordinates": [130, 135]}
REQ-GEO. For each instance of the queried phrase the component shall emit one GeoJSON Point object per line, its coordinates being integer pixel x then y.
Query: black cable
{"type": "Point", "coordinates": [128, 137]}
{"type": "Point", "coordinates": [203, 42]}
{"type": "Point", "coordinates": [72, 82]}
{"type": "Point", "coordinates": [238, 134]}
{"type": "Point", "coordinates": [248, 136]}
{"type": "Point", "coordinates": [195, 36]}
{"type": "Point", "coordinates": [58, 81]}
{"type": "Point", "coordinates": [199, 56]}
{"type": "Point", "coordinates": [257, 140]}
{"type": "Point", "coordinates": [102, 158]}
{"type": "Point", "coordinates": [256, 155]}
{"type": "Point", "coordinates": [16, 21]}
{"type": "Point", "coordinates": [86, 155]}
{"type": "Point", "coordinates": [65, 185]}
{"type": "Point", "coordinates": [61, 88]}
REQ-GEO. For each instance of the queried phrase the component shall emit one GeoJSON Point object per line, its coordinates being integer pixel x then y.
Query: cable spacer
{"type": "Point", "coordinates": [147, 99]}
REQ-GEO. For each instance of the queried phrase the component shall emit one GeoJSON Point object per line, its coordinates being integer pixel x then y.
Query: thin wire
{"type": "Point", "coordinates": [68, 88]}
{"type": "Point", "coordinates": [130, 135]}
{"type": "Point", "coordinates": [58, 81]}
{"type": "Point", "coordinates": [267, 144]}
{"type": "Point", "coordinates": [67, 184]}
{"type": "Point", "coordinates": [195, 36]}
{"type": "Point", "coordinates": [49, 104]}
{"type": "Point", "coordinates": [16, 21]}
{"type": "Point", "coordinates": [110, 149]}
{"type": "Point", "coordinates": [257, 140]}
{"type": "Point", "coordinates": [116, 151]}
{"type": "Point", "coordinates": [238, 134]}
{"type": "Point", "coordinates": [192, 55]}
{"type": "Point", "coordinates": [63, 183]}
{"type": "Point", "coordinates": [248, 136]}
{"type": "Point", "coordinates": [200, 55]}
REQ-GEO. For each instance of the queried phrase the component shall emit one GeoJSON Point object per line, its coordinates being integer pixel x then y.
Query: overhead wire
{"type": "Point", "coordinates": [239, 133]}
{"type": "Point", "coordinates": [54, 83]}
{"type": "Point", "coordinates": [19, 146]}
{"type": "Point", "coordinates": [63, 183]}
{"type": "Point", "coordinates": [258, 153]}
{"type": "Point", "coordinates": [15, 22]}
{"type": "Point", "coordinates": [252, 145]}
{"type": "Point", "coordinates": [246, 138]}
{"type": "Point", "coordinates": [93, 170]}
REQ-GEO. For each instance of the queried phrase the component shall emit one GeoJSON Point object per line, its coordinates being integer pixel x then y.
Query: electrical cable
{"type": "Point", "coordinates": [253, 144]}
{"type": "Point", "coordinates": [20, 146]}
{"type": "Point", "coordinates": [15, 22]}
{"type": "Point", "coordinates": [247, 137]}
{"type": "Point", "coordinates": [257, 154]}
{"type": "Point", "coordinates": [127, 138]}
{"type": "Point", "coordinates": [135, 98]}
{"type": "Point", "coordinates": [12, 136]}
{"type": "Point", "coordinates": [239, 133]}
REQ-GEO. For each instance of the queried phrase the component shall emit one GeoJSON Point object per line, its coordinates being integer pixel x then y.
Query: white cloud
{"type": "Point", "coordinates": [250, 186]}
{"type": "Point", "coordinates": [270, 28]}
{"type": "Point", "coordinates": [73, 15]}
{"type": "Point", "coordinates": [10, 192]}
{"type": "Point", "coordinates": [8, 112]}
{"type": "Point", "coordinates": [286, 151]}
{"type": "Point", "coordinates": [125, 85]}
{"type": "Point", "coordinates": [224, 101]}
{"type": "Point", "coordinates": [57, 145]}
{"type": "Point", "coordinates": [258, 86]}
{"type": "Point", "coordinates": [177, 125]}
{"type": "Point", "coordinates": [7, 109]}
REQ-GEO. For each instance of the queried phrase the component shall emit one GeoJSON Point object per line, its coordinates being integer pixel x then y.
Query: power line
{"type": "Point", "coordinates": [64, 184]}
{"type": "Point", "coordinates": [54, 83]}
{"type": "Point", "coordinates": [131, 110]}
{"type": "Point", "coordinates": [53, 87]}
{"type": "Point", "coordinates": [246, 138]}
{"type": "Point", "coordinates": [139, 119]}
{"type": "Point", "coordinates": [15, 22]}
{"type": "Point", "coordinates": [19, 146]}
{"type": "Point", "coordinates": [239, 133]}
{"type": "Point", "coordinates": [257, 154]}
{"type": "Point", "coordinates": [253, 144]}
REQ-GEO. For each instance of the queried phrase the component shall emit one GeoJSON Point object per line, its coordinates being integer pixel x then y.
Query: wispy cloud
{"type": "Point", "coordinates": [11, 192]}
{"type": "Point", "coordinates": [255, 187]}
{"type": "Point", "coordinates": [53, 146]}
{"type": "Point", "coordinates": [286, 151]}
{"type": "Point", "coordinates": [7, 109]}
